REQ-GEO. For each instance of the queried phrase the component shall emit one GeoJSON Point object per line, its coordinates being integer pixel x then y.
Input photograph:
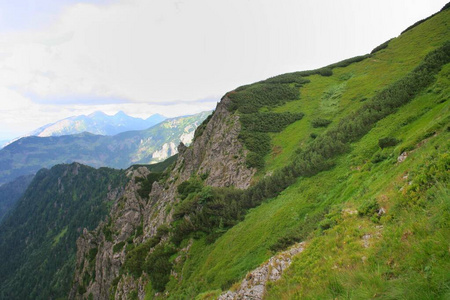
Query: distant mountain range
{"type": "Point", "coordinates": [28, 155]}
{"type": "Point", "coordinates": [97, 123]}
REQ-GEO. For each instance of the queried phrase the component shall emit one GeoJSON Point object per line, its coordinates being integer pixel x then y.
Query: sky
{"type": "Point", "coordinates": [60, 58]}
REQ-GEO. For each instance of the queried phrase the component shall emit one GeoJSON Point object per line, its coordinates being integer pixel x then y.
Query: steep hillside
{"type": "Point", "coordinates": [352, 159]}
{"type": "Point", "coordinates": [137, 219]}
{"type": "Point", "coordinates": [11, 192]}
{"type": "Point", "coordinates": [37, 238]}
{"type": "Point", "coordinates": [28, 155]}
{"type": "Point", "coordinates": [97, 123]}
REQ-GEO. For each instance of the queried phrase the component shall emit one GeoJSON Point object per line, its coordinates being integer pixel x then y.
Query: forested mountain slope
{"type": "Point", "coordinates": [37, 238]}
{"type": "Point", "coordinates": [352, 159]}
{"type": "Point", "coordinates": [11, 192]}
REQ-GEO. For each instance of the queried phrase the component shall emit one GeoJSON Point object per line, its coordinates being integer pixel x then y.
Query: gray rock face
{"type": "Point", "coordinates": [95, 250]}
{"type": "Point", "coordinates": [254, 284]}
{"type": "Point", "coordinates": [217, 154]}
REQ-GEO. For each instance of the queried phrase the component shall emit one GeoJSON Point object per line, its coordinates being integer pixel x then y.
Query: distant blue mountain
{"type": "Point", "coordinates": [29, 154]}
{"type": "Point", "coordinates": [97, 123]}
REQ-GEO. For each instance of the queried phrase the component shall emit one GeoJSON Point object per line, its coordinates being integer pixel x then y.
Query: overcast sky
{"type": "Point", "coordinates": [60, 58]}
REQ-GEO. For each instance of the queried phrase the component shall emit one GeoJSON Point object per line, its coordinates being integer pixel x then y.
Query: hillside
{"type": "Point", "coordinates": [321, 184]}
{"type": "Point", "coordinates": [11, 192]}
{"type": "Point", "coordinates": [37, 238]}
{"type": "Point", "coordinates": [351, 159]}
{"type": "Point", "coordinates": [97, 123]}
{"type": "Point", "coordinates": [28, 155]}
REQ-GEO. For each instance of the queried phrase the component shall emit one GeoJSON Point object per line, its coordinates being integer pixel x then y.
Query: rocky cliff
{"type": "Point", "coordinates": [216, 155]}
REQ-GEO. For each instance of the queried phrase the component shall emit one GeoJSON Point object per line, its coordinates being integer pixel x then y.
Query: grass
{"type": "Point", "coordinates": [367, 77]}
{"type": "Point", "coordinates": [352, 256]}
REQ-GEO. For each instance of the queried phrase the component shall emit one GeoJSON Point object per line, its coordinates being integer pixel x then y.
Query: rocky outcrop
{"type": "Point", "coordinates": [216, 155]}
{"type": "Point", "coordinates": [254, 284]}
{"type": "Point", "coordinates": [98, 258]}
{"type": "Point", "coordinates": [218, 152]}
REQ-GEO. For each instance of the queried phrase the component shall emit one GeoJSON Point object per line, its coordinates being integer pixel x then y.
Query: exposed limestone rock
{"type": "Point", "coordinates": [254, 284]}
{"type": "Point", "coordinates": [402, 157]}
{"type": "Point", "coordinates": [127, 215]}
{"type": "Point", "coordinates": [217, 153]}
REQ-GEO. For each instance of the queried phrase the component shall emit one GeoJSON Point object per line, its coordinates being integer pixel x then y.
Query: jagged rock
{"type": "Point", "coordinates": [402, 157]}
{"type": "Point", "coordinates": [381, 211]}
{"type": "Point", "coordinates": [181, 147]}
{"type": "Point", "coordinates": [217, 152]}
{"type": "Point", "coordinates": [254, 284]}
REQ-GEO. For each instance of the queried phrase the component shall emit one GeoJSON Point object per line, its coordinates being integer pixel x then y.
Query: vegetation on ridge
{"type": "Point", "coordinates": [37, 239]}
{"type": "Point", "coordinates": [318, 205]}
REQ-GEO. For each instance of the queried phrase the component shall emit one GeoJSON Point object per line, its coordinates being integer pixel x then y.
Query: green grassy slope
{"type": "Point", "coordinates": [407, 251]}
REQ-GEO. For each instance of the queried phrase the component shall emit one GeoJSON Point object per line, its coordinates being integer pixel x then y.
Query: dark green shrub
{"type": "Point", "coordinates": [254, 160]}
{"type": "Point", "coordinates": [158, 266]}
{"type": "Point", "coordinates": [387, 142]}
{"type": "Point", "coordinates": [256, 96]}
{"type": "Point", "coordinates": [190, 186]}
{"type": "Point", "coordinates": [369, 208]}
{"type": "Point", "coordinates": [135, 259]}
{"type": "Point", "coordinates": [378, 157]}
{"type": "Point", "coordinates": [325, 72]}
{"type": "Point", "coordinates": [284, 242]}
{"type": "Point", "coordinates": [108, 233]}
{"type": "Point", "coordinates": [92, 254]}
{"type": "Point", "coordinates": [146, 184]}
{"type": "Point", "coordinates": [381, 47]}
{"type": "Point", "coordinates": [313, 135]}
{"type": "Point", "coordinates": [204, 176]}
{"type": "Point", "coordinates": [318, 122]}
{"type": "Point", "coordinates": [349, 61]}
{"type": "Point", "coordinates": [294, 77]}
{"type": "Point", "coordinates": [269, 122]}
{"type": "Point", "coordinates": [139, 230]}
{"type": "Point", "coordinates": [81, 289]}
{"type": "Point", "coordinates": [258, 142]}
{"type": "Point", "coordinates": [118, 247]}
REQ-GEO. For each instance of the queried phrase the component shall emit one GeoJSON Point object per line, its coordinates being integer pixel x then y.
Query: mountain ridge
{"type": "Point", "coordinates": [348, 163]}
{"type": "Point", "coordinates": [97, 123]}
{"type": "Point", "coordinates": [29, 154]}
{"type": "Point", "coordinates": [304, 135]}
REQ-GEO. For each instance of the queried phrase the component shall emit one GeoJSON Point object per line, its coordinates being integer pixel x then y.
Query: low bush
{"type": "Point", "coordinates": [387, 142]}
{"type": "Point", "coordinates": [118, 247]}
{"type": "Point", "coordinates": [325, 72]}
{"type": "Point", "coordinates": [269, 122]}
{"type": "Point", "coordinates": [158, 266]}
{"type": "Point", "coordinates": [147, 183]}
{"type": "Point", "coordinates": [256, 96]}
{"type": "Point", "coordinates": [381, 47]}
{"type": "Point", "coordinates": [318, 122]}
{"type": "Point", "coordinates": [369, 208]}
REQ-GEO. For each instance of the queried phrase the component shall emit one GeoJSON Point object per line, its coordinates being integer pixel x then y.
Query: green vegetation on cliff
{"type": "Point", "coordinates": [367, 194]}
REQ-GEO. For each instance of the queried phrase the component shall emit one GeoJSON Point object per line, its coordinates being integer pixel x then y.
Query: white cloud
{"type": "Point", "coordinates": [162, 51]}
